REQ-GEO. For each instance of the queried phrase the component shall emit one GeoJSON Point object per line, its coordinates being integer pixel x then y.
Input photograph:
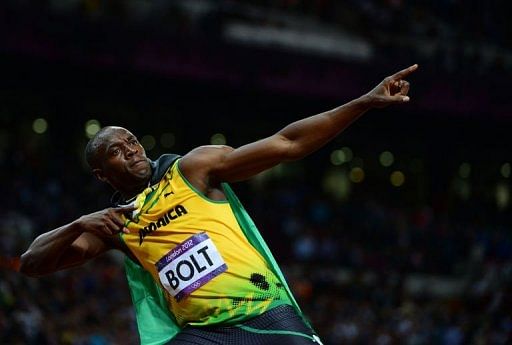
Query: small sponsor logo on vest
{"type": "Point", "coordinates": [172, 214]}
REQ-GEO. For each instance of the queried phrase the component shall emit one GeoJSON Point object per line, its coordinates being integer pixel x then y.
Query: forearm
{"type": "Point", "coordinates": [45, 253]}
{"type": "Point", "coordinates": [307, 135]}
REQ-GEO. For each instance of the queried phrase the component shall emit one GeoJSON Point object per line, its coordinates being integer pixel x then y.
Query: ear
{"type": "Point", "coordinates": [98, 173]}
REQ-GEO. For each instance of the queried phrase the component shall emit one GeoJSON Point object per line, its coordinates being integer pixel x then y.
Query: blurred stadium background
{"type": "Point", "coordinates": [398, 232]}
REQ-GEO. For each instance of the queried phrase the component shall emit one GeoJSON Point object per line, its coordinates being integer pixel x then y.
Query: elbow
{"type": "Point", "coordinates": [295, 152]}
{"type": "Point", "coordinates": [290, 149]}
{"type": "Point", "coordinates": [26, 265]}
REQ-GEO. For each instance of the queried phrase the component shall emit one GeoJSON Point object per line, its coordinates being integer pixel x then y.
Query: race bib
{"type": "Point", "coordinates": [190, 265]}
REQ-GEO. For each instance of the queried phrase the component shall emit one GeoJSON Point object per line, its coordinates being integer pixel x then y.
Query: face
{"type": "Point", "coordinates": [123, 161]}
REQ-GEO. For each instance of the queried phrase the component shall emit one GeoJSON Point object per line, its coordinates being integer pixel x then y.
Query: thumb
{"type": "Point", "coordinates": [398, 99]}
{"type": "Point", "coordinates": [126, 209]}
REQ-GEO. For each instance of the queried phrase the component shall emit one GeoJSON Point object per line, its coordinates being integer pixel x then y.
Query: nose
{"type": "Point", "coordinates": [130, 150]}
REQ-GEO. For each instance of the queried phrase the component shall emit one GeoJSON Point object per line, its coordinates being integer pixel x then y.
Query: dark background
{"type": "Point", "coordinates": [428, 262]}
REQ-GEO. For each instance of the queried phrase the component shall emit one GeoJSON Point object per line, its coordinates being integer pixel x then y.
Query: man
{"type": "Point", "coordinates": [216, 281]}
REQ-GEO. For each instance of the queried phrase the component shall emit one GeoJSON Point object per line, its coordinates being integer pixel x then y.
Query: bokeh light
{"type": "Point", "coordinates": [218, 139]}
{"type": "Point", "coordinates": [40, 125]}
{"type": "Point", "coordinates": [397, 178]}
{"type": "Point", "coordinates": [148, 142]}
{"type": "Point", "coordinates": [338, 157]}
{"type": "Point", "coordinates": [502, 195]}
{"type": "Point", "coordinates": [464, 170]}
{"type": "Point", "coordinates": [386, 158]}
{"type": "Point", "coordinates": [357, 175]}
{"type": "Point", "coordinates": [348, 153]}
{"type": "Point", "coordinates": [91, 128]}
{"type": "Point", "coordinates": [505, 170]}
{"type": "Point", "coordinates": [337, 183]}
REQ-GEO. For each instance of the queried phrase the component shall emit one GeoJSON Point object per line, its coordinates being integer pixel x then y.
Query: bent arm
{"type": "Point", "coordinates": [64, 247]}
{"type": "Point", "coordinates": [75, 243]}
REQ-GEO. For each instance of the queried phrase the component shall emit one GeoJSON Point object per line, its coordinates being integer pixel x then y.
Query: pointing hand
{"type": "Point", "coordinates": [392, 89]}
{"type": "Point", "coordinates": [107, 222]}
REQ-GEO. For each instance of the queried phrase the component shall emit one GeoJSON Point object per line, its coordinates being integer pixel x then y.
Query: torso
{"type": "Point", "coordinates": [194, 248]}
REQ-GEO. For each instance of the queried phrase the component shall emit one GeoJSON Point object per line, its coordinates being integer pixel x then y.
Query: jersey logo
{"type": "Point", "coordinates": [190, 265]}
{"type": "Point", "coordinates": [169, 216]}
{"type": "Point", "coordinates": [167, 194]}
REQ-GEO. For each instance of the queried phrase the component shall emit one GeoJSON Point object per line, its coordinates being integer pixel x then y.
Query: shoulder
{"type": "Point", "coordinates": [198, 164]}
{"type": "Point", "coordinates": [208, 151]}
{"type": "Point", "coordinates": [204, 157]}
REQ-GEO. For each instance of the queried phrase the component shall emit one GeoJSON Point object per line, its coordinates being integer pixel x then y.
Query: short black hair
{"type": "Point", "coordinates": [91, 149]}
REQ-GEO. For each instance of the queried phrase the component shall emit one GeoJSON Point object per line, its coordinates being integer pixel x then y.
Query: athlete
{"type": "Point", "coordinates": [199, 271]}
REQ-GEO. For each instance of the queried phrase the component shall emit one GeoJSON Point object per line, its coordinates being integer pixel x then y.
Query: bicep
{"type": "Point", "coordinates": [209, 165]}
{"type": "Point", "coordinates": [251, 159]}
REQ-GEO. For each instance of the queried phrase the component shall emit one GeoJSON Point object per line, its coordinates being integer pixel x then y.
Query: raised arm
{"type": "Point", "coordinates": [208, 165]}
{"type": "Point", "coordinates": [75, 243]}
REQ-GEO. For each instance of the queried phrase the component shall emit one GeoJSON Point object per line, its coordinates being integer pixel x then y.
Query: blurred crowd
{"type": "Point", "coordinates": [352, 264]}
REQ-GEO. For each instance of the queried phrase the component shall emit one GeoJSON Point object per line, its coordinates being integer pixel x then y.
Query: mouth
{"type": "Point", "coordinates": [138, 162]}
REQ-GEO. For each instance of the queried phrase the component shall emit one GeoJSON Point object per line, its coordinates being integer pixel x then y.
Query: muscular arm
{"type": "Point", "coordinates": [207, 166]}
{"type": "Point", "coordinates": [61, 248]}
{"type": "Point", "coordinates": [75, 243]}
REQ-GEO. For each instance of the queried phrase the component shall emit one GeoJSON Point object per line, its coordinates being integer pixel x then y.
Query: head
{"type": "Point", "coordinates": [116, 157]}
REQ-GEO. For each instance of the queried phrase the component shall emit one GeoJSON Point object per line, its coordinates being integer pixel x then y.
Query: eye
{"type": "Point", "coordinates": [115, 152]}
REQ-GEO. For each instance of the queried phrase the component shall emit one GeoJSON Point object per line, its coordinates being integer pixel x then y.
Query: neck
{"type": "Point", "coordinates": [128, 191]}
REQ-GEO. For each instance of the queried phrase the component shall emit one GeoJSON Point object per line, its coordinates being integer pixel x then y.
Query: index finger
{"type": "Point", "coordinates": [405, 72]}
{"type": "Point", "coordinates": [125, 209]}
